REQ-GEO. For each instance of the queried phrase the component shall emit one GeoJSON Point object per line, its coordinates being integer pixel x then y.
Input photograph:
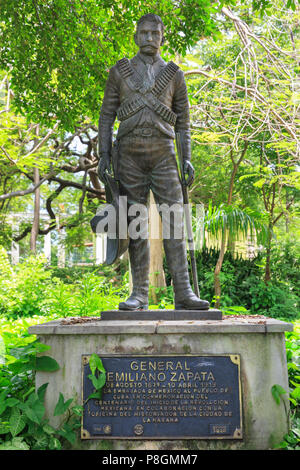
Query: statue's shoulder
{"type": "Point", "coordinates": [178, 73]}
{"type": "Point", "coordinates": [124, 66]}
{"type": "Point", "coordinates": [121, 64]}
{"type": "Point", "coordinates": [169, 72]}
{"type": "Point", "coordinates": [170, 69]}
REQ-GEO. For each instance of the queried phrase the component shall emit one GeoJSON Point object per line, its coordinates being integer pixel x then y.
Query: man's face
{"type": "Point", "coordinates": [149, 37]}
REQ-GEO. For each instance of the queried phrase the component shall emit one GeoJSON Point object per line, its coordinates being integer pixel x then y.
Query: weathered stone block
{"type": "Point", "coordinates": [259, 341]}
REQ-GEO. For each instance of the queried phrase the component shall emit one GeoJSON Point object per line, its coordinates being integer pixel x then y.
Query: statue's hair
{"type": "Point", "coordinates": [151, 17]}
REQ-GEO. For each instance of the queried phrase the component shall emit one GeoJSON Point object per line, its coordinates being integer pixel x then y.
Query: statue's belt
{"type": "Point", "coordinates": [150, 99]}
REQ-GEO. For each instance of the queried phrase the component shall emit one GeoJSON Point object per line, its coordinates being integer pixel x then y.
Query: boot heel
{"type": "Point", "coordinates": [144, 307]}
{"type": "Point", "coordinates": [179, 307]}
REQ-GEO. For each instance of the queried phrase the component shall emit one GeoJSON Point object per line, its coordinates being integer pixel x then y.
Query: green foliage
{"type": "Point", "coordinates": [66, 48]}
{"type": "Point", "coordinates": [89, 295]}
{"type": "Point", "coordinates": [115, 275]}
{"type": "Point", "coordinates": [23, 424]}
{"type": "Point", "coordinates": [29, 288]}
{"type": "Point", "coordinates": [98, 376]}
{"type": "Point", "coordinates": [25, 419]}
{"type": "Point", "coordinates": [285, 256]}
{"type": "Point", "coordinates": [277, 391]}
{"type": "Point", "coordinates": [237, 222]}
{"type": "Point", "coordinates": [234, 276]}
{"type": "Point", "coordinates": [292, 438]}
{"type": "Point", "coordinates": [78, 231]}
{"type": "Point", "coordinates": [274, 300]}
{"type": "Point", "coordinates": [62, 406]}
{"type": "Point", "coordinates": [242, 284]}
{"type": "Point", "coordinates": [22, 288]}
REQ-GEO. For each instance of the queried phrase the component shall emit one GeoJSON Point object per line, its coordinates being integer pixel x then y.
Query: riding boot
{"type": "Point", "coordinates": [184, 297]}
{"type": "Point", "coordinates": [139, 256]}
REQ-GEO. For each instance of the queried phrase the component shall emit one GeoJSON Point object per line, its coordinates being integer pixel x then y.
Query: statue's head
{"type": "Point", "coordinates": [149, 35]}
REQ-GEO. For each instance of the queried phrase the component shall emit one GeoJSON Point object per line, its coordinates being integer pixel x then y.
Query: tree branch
{"type": "Point", "coordinates": [26, 191]}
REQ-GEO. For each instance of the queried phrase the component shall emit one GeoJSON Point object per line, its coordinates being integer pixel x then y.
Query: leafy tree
{"type": "Point", "coordinates": [34, 158]}
{"type": "Point", "coordinates": [59, 51]}
{"type": "Point", "coordinates": [57, 54]}
{"type": "Point", "coordinates": [244, 93]}
{"type": "Point", "coordinates": [225, 221]}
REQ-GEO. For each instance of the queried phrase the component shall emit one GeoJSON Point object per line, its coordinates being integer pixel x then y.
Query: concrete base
{"type": "Point", "coordinates": [259, 341]}
{"type": "Point", "coordinates": [211, 314]}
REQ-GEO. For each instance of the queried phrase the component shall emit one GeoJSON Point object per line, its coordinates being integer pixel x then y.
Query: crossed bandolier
{"type": "Point", "coordinates": [146, 98]}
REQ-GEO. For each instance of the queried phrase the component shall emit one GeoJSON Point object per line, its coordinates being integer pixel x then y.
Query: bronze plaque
{"type": "Point", "coordinates": [164, 397]}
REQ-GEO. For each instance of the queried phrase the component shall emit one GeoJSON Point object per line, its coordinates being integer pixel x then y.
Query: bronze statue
{"type": "Point", "coordinates": [149, 98]}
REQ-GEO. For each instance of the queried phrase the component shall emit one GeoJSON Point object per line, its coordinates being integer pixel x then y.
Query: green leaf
{"type": "Point", "coordinates": [277, 391]}
{"type": "Point", "coordinates": [41, 441]}
{"type": "Point", "coordinates": [12, 402]}
{"type": "Point", "coordinates": [33, 408]}
{"type": "Point", "coordinates": [15, 444]}
{"type": "Point", "coordinates": [39, 410]}
{"type": "Point", "coordinates": [296, 393]}
{"type": "Point", "coordinates": [3, 395]}
{"type": "Point", "coordinates": [293, 401]}
{"type": "Point", "coordinates": [19, 367]}
{"type": "Point", "coordinates": [77, 410]}
{"type": "Point", "coordinates": [46, 363]}
{"type": "Point", "coordinates": [94, 380]}
{"type": "Point", "coordinates": [32, 389]}
{"type": "Point", "coordinates": [17, 422]}
{"type": "Point", "coordinates": [98, 382]}
{"type": "Point", "coordinates": [62, 406]}
{"type": "Point", "coordinates": [67, 434]}
{"type": "Point", "coordinates": [3, 407]}
{"type": "Point", "coordinates": [4, 428]}
{"type": "Point", "coordinates": [96, 363]}
{"type": "Point", "coordinates": [41, 391]}
{"type": "Point", "coordinates": [97, 394]}
{"type": "Point", "coordinates": [48, 429]}
{"type": "Point", "coordinates": [29, 413]}
{"type": "Point", "coordinates": [54, 443]}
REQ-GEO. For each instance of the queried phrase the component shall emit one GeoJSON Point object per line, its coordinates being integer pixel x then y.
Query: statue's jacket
{"type": "Point", "coordinates": [165, 107]}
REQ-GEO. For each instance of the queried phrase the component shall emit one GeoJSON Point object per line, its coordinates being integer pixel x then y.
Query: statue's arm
{"type": "Point", "coordinates": [108, 113]}
{"type": "Point", "coordinates": [181, 108]}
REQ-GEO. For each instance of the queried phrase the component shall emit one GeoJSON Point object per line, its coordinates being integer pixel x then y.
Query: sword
{"type": "Point", "coordinates": [188, 220]}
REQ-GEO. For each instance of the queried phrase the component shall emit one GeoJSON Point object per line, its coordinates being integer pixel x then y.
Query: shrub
{"type": "Point", "coordinates": [23, 424]}
{"type": "Point", "coordinates": [242, 282]}
{"type": "Point", "coordinates": [22, 288]}
{"type": "Point", "coordinates": [30, 288]}
{"type": "Point", "coordinates": [273, 300]}
{"type": "Point", "coordinates": [291, 440]}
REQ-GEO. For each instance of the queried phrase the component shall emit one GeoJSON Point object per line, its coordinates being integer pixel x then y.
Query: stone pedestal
{"type": "Point", "coordinates": [259, 341]}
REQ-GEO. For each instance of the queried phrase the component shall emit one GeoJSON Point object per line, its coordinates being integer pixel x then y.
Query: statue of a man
{"type": "Point", "coordinates": [149, 97]}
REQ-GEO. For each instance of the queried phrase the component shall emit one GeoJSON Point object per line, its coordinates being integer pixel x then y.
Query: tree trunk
{"type": "Point", "coordinates": [231, 244]}
{"type": "Point", "coordinates": [268, 255]}
{"type": "Point", "coordinates": [36, 213]}
{"type": "Point", "coordinates": [217, 283]}
{"type": "Point", "coordinates": [272, 222]}
{"type": "Point", "coordinates": [36, 210]}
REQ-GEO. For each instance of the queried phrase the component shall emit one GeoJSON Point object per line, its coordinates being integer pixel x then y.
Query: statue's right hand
{"type": "Point", "coordinates": [103, 166]}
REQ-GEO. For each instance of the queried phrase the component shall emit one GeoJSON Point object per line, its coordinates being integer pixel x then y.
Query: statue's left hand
{"type": "Point", "coordinates": [188, 173]}
{"type": "Point", "coordinates": [104, 166]}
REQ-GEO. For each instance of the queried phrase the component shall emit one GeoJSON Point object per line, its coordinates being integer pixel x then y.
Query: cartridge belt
{"type": "Point", "coordinates": [129, 108]}
{"type": "Point", "coordinates": [146, 132]}
{"type": "Point", "coordinates": [150, 99]}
